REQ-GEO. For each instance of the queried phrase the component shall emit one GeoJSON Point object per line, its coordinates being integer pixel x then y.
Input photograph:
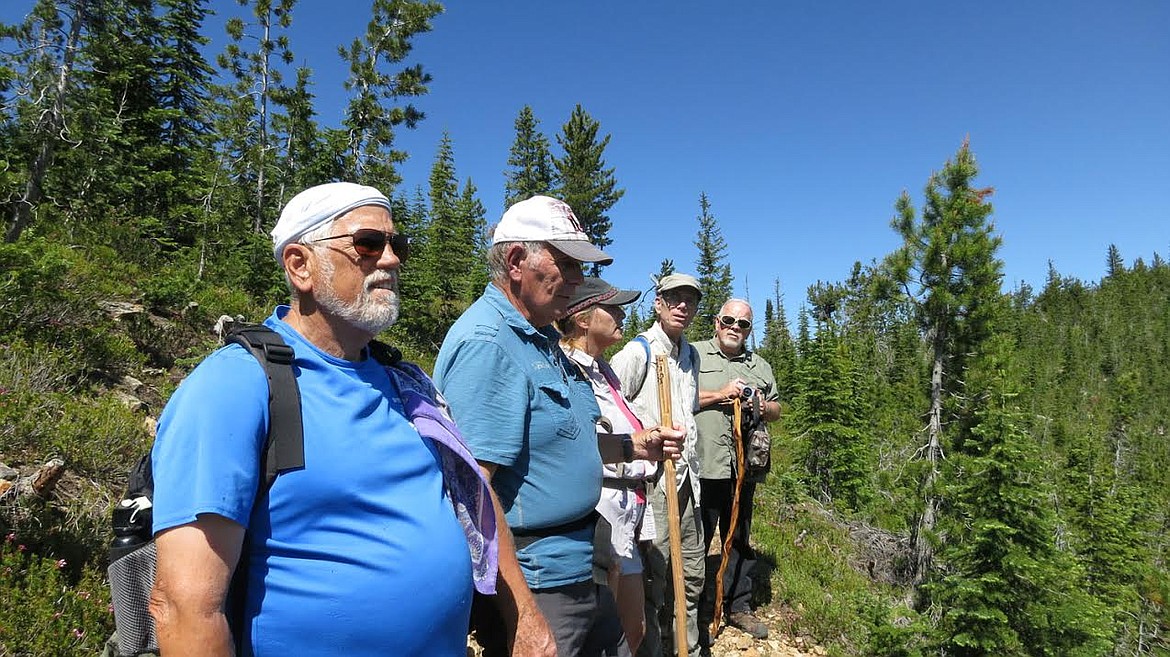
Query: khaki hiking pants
{"type": "Point", "coordinates": [659, 640]}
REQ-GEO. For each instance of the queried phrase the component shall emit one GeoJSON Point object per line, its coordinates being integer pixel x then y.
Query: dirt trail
{"type": "Point", "coordinates": [734, 643]}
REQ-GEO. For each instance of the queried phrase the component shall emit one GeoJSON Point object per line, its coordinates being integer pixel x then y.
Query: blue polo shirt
{"type": "Point", "coordinates": [523, 405]}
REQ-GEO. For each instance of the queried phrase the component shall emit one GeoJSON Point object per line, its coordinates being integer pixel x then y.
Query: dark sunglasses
{"type": "Point", "coordinates": [729, 321]}
{"type": "Point", "coordinates": [371, 243]}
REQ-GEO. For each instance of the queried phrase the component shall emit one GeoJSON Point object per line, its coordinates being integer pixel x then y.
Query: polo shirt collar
{"type": "Point", "coordinates": [512, 317]}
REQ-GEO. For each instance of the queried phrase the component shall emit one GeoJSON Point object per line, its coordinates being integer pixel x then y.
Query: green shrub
{"type": "Point", "coordinates": [813, 573]}
{"type": "Point", "coordinates": [48, 607]}
{"type": "Point", "coordinates": [45, 300]}
{"type": "Point", "coordinates": [93, 436]}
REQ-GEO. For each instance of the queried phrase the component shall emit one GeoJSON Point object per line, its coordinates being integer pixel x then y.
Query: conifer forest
{"type": "Point", "coordinates": [960, 469]}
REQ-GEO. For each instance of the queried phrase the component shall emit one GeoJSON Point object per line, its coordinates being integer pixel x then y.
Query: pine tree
{"type": "Point", "coordinates": [1114, 265]}
{"type": "Point", "coordinates": [585, 183]}
{"type": "Point", "coordinates": [531, 162]}
{"type": "Point", "coordinates": [665, 268]}
{"type": "Point", "coordinates": [712, 270]}
{"type": "Point", "coordinates": [473, 215]}
{"type": "Point", "coordinates": [304, 156]}
{"type": "Point", "coordinates": [779, 348]}
{"type": "Point", "coordinates": [369, 155]}
{"type": "Point", "coordinates": [256, 79]}
{"type": "Point", "coordinates": [184, 91]}
{"type": "Point", "coordinates": [1008, 589]}
{"type": "Point", "coordinates": [147, 119]}
{"type": "Point", "coordinates": [825, 416]}
{"type": "Point", "coordinates": [44, 65]}
{"type": "Point", "coordinates": [450, 270]}
{"type": "Point", "coordinates": [948, 270]}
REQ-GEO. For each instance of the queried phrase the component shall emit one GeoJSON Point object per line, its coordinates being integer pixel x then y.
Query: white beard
{"type": "Point", "coordinates": [731, 344]}
{"type": "Point", "coordinates": [366, 313]}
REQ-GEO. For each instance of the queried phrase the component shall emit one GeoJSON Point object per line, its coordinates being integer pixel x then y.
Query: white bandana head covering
{"type": "Point", "coordinates": [317, 206]}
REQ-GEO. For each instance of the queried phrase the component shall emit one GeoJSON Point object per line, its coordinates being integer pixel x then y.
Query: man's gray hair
{"type": "Point", "coordinates": [735, 300]}
{"type": "Point", "coordinates": [497, 258]}
{"type": "Point", "coordinates": [307, 240]}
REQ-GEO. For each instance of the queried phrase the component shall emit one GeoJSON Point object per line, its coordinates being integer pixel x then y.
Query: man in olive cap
{"type": "Point", "coordinates": [675, 303]}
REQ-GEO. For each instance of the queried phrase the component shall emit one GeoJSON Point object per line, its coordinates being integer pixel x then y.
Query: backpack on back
{"type": "Point", "coordinates": [132, 551]}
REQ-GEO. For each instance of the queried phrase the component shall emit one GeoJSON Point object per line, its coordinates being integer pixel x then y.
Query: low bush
{"type": "Point", "coordinates": [811, 556]}
{"type": "Point", "coordinates": [48, 606]}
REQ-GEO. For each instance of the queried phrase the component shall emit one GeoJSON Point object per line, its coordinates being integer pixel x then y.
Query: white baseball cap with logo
{"type": "Point", "coordinates": [546, 219]}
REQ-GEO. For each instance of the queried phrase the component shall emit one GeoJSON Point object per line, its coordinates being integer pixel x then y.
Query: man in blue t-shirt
{"type": "Point", "coordinates": [336, 552]}
{"type": "Point", "coordinates": [528, 414]}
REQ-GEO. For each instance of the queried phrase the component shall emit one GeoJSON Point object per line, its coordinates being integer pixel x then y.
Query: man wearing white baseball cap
{"type": "Point", "coordinates": [529, 416]}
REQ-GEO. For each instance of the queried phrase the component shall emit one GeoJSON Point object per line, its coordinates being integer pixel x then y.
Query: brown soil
{"type": "Point", "coordinates": [732, 642]}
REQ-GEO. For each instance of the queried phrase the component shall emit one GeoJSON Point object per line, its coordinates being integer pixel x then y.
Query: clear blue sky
{"type": "Point", "coordinates": [803, 121]}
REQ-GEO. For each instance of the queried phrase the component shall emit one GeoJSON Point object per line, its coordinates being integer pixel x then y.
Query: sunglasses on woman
{"type": "Point", "coordinates": [729, 321]}
{"type": "Point", "coordinates": [371, 243]}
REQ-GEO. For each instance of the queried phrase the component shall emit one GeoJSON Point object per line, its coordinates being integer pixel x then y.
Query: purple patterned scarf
{"type": "Point", "coordinates": [469, 492]}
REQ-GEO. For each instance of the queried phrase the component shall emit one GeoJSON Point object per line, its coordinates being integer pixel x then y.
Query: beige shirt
{"type": "Point", "coordinates": [640, 386]}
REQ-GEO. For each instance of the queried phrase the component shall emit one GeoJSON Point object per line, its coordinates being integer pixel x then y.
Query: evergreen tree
{"type": "Point", "coordinates": [412, 218]}
{"type": "Point", "coordinates": [147, 119]}
{"type": "Point", "coordinates": [305, 157]}
{"type": "Point", "coordinates": [712, 270]}
{"type": "Point", "coordinates": [249, 57]}
{"type": "Point", "coordinates": [948, 270]}
{"type": "Point", "coordinates": [473, 215]}
{"type": "Point", "coordinates": [665, 268]}
{"type": "Point", "coordinates": [1114, 265]}
{"type": "Point", "coordinates": [531, 162]}
{"type": "Point", "coordinates": [451, 263]}
{"type": "Point", "coordinates": [803, 336]}
{"type": "Point", "coordinates": [1008, 589]}
{"type": "Point", "coordinates": [779, 349]}
{"type": "Point", "coordinates": [825, 416]}
{"type": "Point", "coordinates": [585, 183]}
{"type": "Point", "coordinates": [369, 156]}
{"type": "Point", "coordinates": [184, 91]}
{"type": "Point", "coordinates": [44, 65]}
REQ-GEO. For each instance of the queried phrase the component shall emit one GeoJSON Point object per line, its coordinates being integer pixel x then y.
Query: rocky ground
{"type": "Point", "coordinates": [731, 642]}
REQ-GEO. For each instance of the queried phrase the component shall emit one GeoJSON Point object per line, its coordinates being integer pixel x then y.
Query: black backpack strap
{"type": "Point", "coordinates": [522, 538]}
{"type": "Point", "coordinates": [285, 445]}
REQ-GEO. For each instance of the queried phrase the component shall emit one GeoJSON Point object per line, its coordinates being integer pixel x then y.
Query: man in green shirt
{"type": "Point", "coordinates": [729, 371]}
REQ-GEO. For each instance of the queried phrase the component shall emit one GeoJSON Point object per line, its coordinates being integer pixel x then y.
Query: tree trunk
{"type": "Point", "coordinates": [50, 132]}
{"type": "Point", "coordinates": [923, 552]}
{"type": "Point", "coordinates": [258, 221]}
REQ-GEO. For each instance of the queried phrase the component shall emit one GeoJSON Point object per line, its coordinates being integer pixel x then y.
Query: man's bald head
{"type": "Point", "coordinates": [732, 326]}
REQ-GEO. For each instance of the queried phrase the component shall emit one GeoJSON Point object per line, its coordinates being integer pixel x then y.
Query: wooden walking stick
{"type": "Point", "coordinates": [737, 433]}
{"type": "Point", "coordinates": [672, 513]}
